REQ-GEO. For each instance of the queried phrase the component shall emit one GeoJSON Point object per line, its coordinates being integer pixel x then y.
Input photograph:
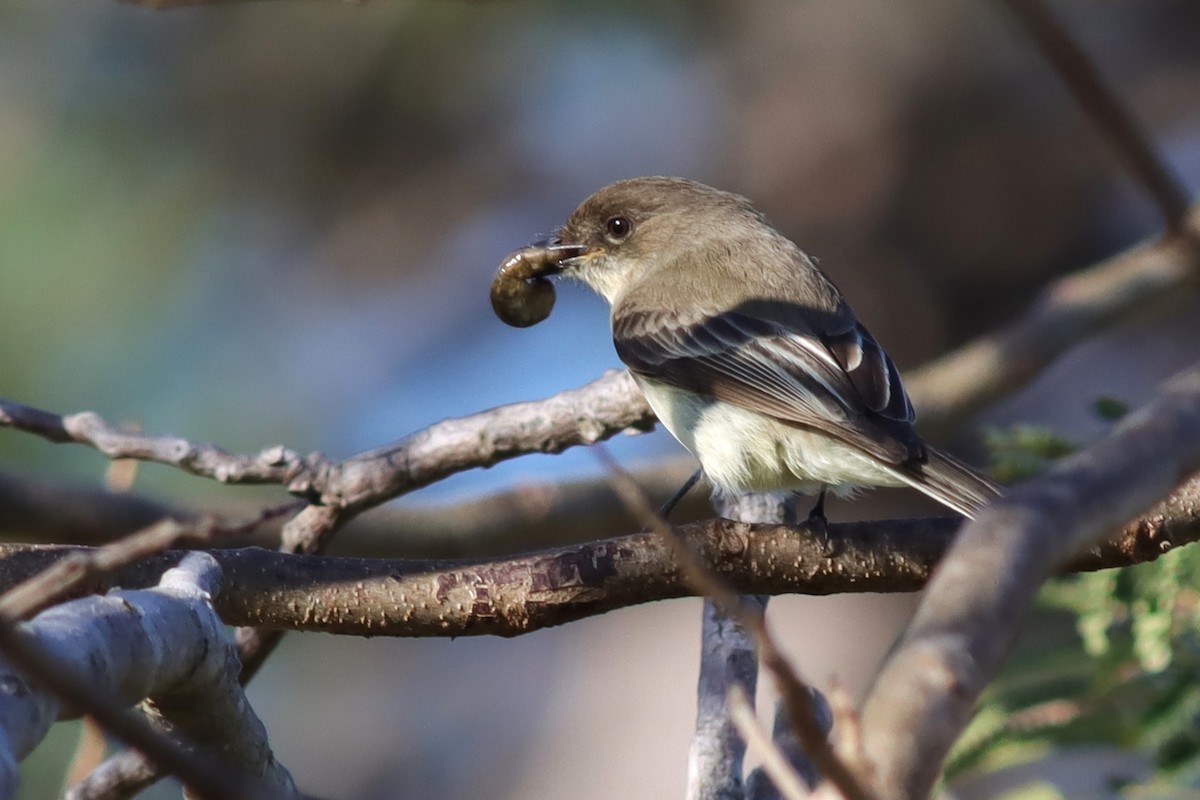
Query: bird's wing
{"type": "Point", "coordinates": [770, 358]}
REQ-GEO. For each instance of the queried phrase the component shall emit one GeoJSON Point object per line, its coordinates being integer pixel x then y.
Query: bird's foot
{"type": "Point", "coordinates": [820, 526]}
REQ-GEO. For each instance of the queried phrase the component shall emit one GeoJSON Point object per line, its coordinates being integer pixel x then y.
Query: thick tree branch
{"type": "Point", "coordinates": [131, 660]}
{"type": "Point", "coordinates": [727, 660]}
{"type": "Point", "coordinates": [35, 510]}
{"type": "Point", "coordinates": [519, 594]}
{"type": "Point", "coordinates": [976, 601]}
{"type": "Point", "coordinates": [728, 663]}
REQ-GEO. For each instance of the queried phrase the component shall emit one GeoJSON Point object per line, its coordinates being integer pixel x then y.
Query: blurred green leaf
{"type": "Point", "coordinates": [1110, 657]}
{"type": "Point", "coordinates": [1022, 451]}
{"type": "Point", "coordinates": [1111, 408]}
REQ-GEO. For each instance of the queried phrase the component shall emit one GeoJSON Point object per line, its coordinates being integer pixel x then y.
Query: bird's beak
{"type": "Point", "coordinates": [553, 253]}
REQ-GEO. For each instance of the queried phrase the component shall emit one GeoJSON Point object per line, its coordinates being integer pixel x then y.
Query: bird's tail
{"type": "Point", "coordinates": [951, 482]}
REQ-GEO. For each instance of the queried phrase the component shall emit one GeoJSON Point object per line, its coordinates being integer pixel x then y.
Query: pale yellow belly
{"type": "Point", "coordinates": [742, 450]}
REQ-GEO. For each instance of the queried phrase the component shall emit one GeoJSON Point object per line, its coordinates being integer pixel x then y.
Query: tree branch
{"type": "Point", "coordinates": [802, 711]}
{"type": "Point", "coordinates": [976, 601]}
{"type": "Point", "coordinates": [727, 659]}
{"type": "Point", "coordinates": [596, 411]}
{"type": "Point", "coordinates": [949, 389]}
{"type": "Point", "coordinates": [529, 516]}
{"type": "Point", "coordinates": [33, 510]}
{"type": "Point", "coordinates": [775, 762]}
{"type": "Point", "coordinates": [519, 594]}
{"type": "Point", "coordinates": [66, 575]}
{"type": "Point", "coordinates": [130, 661]}
{"type": "Point", "coordinates": [1100, 103]}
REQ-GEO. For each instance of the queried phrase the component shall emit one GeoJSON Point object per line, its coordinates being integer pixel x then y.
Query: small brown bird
{"type": "Point", "coordinates": [746, 351]}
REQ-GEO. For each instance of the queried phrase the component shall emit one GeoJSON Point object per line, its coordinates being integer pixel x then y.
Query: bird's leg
{"type": "Point", "coordinates": [816, 517]}
{"type": "Point", "coordinates": [680, 493]}
{"type": "Point", "coordinates": [820, 525]}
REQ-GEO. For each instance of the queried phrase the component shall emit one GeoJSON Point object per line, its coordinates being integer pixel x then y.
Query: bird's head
{"type": "Point", "coordinates": [625, 230]}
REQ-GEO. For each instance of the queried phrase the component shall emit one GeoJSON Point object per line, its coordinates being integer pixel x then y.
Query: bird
{"type": "Point", "coordinates": [746, 351]}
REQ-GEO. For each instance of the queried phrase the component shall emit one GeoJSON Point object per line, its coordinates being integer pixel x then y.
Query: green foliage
{"type": "Point", "coordinates": [1111, 408]}
{"type": "Point", "coordinates": [1108, 658]}
{"type": "Point", "coordinates": [1023, 451]}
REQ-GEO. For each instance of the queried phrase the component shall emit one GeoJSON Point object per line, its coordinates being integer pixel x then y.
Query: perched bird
{"type": "Point", "coordinates": [746, 351]}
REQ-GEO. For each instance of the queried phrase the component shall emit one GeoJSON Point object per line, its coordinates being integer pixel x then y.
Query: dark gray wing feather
{"type": "Point", "coordinates": [872, 373]}
{"type": "Point", "coordinates": [768, 359]}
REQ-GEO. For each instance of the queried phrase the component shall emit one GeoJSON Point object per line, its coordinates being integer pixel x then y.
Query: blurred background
{"type": "Point", "coordinates": [276, 223]}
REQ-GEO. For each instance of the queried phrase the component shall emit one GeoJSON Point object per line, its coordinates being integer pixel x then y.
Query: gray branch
{"type": "Point", "coordinates": [528, 516]}
{"type": "Point", "coordinates": [165, 644]}
{"type": "Point", "coordinates": [974, 604]}
{"type": "Point", "coordinates": [727, 659]}
{"type": "Point", "coordinates": [599, 410]}
{"type": "Point", "coordinates": [949, 389]}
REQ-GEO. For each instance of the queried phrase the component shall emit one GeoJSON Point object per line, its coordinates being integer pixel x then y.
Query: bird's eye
{"type": "Point", "coordinates": [618, 228]}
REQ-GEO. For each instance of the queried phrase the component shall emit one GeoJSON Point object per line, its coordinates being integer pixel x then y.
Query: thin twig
{"type": "Point", "coordinates": [607, 406]}
{"type": "Point", "coordinates": [271, 465]}
{"type": "Point", "coordinates": [776, 764]}
{"type": "Point", "coordinates": [1101, 104]}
